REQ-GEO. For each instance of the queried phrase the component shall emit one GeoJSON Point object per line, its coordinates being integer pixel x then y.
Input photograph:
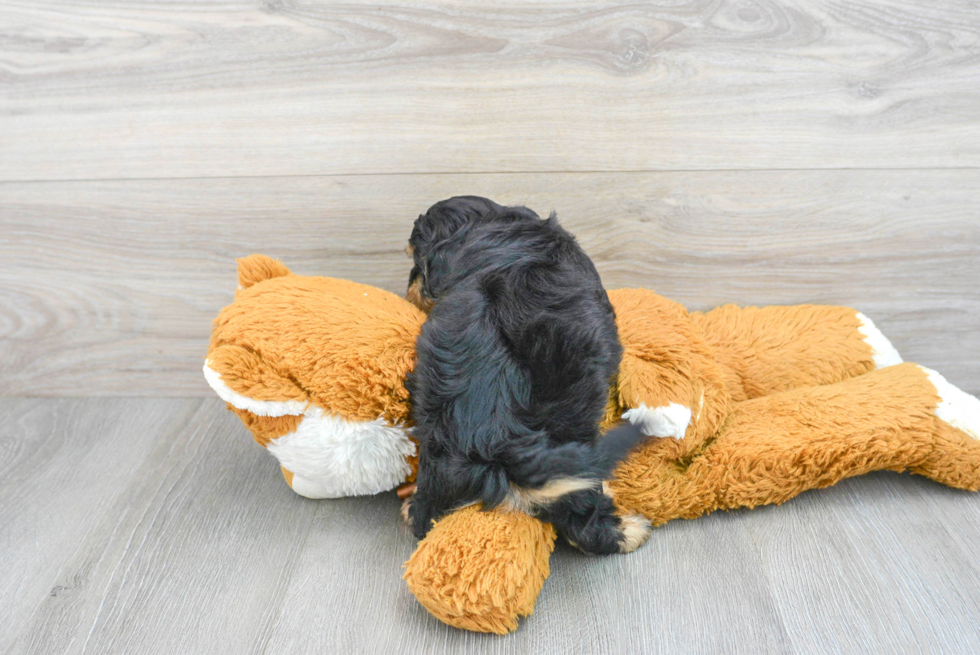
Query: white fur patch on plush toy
{"type": "Point", "coordinates": [329, 456]}
{"type": "Point", "coordinates": [956, 407]}
{"type": "Point", "coordinates": [882, 351]}
{"type": "Point", "coordinates": [665, 421]}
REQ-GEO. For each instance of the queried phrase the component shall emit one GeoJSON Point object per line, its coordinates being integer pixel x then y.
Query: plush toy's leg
{"type": "Point", "coordinates": [481, 570]}
{"type": "Point", "coordinates": [768, 349]}
{"type": "Point", "coordinates": [772, 448]}
{"type": "Point", "coordinates": [306, 487]}
{"type": "Point", "coordinates": [953, 458]}
{"type": "Point", "coordinates": [266, 430]}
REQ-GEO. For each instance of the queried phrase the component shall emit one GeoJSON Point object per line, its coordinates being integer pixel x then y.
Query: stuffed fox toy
{"type": "Point", "coordinates": [744, 407]}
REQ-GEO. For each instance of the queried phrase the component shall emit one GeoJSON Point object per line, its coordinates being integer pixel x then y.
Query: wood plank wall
{"type": "Point", "coordinates": [747, 151]}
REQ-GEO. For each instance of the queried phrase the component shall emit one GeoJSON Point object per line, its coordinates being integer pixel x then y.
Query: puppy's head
{"type": "Point", "coordinates": [437, 236]}
{"type": "Point", "coordinates": [430, 245]}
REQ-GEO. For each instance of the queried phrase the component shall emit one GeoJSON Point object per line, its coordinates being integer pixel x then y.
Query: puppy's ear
{"type": "Point", "coordinates": [435, 269]}
{"type": "Point", "coordinates": [419, 236]}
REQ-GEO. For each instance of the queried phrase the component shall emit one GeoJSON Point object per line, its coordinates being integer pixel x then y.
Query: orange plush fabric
{"type": "Point", "coordinates": [747, 406]}
{"type": "Point", "coordinates": [773, 447]}
{"type": "Point", "coordinates": [481, 570]}
{"type": "Point", "coordinates": [341, 345]}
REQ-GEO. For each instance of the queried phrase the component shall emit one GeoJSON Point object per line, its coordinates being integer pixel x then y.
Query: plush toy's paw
{"type": "Point", "coordinates": [481, 570]}
{"type": "Point", "coordinates": [635, 530]}
{"type": "Point", "coordinates": [882, 351]}
{"type": "Point", "coordinates": [667, 421]}
{"type": "Point", "coordinates": [956, 407]}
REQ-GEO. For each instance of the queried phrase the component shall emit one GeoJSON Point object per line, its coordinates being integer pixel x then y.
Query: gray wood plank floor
{"type": "Point", "coordinates": [158, 526]}
{"type": "Point", "coordinates": [748, 151]}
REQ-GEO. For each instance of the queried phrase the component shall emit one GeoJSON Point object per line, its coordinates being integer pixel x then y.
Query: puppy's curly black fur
{"type": "Point", "coordinates": [514, 367]}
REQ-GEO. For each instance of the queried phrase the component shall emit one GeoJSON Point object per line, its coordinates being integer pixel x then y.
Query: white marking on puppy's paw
{"type": "Point", "coordinates": [636, 530]}
{"type": "Point", "coordinates": [882, 351]}
{"type": "Point", "coordinates": [665, 421]}
{"type": "Point", "coordinates": [956, 407]}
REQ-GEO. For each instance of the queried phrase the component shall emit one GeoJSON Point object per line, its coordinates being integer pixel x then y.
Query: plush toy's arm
{"type": "Point", "coordinates": [669, 383]}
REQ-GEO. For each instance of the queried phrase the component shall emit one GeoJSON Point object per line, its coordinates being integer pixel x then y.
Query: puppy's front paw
{"type": "Point", "coordinates": [406, 508]}
{"type": "Point", "coordinates": [635, 531]}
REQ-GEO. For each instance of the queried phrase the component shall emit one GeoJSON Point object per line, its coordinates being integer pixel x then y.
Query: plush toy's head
{"type": "Point", "coordinates": [315, 368]}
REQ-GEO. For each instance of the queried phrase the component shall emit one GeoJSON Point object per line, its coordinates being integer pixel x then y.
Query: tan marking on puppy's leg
{"type": "Point", "coordinates": [406, 506]}
{"type": "Point", "coordinates": [516, 501]}
{"type": "Point", "coordinates": [414, 292]}
{"type": "Point", "coordinates": [636, 530]}
{"type": "Point", "coordinates": [409, 250]}
{"type": "Point", "coordinates": [525, 500]}
{"type": "Point", "coordinates": [555, 489]}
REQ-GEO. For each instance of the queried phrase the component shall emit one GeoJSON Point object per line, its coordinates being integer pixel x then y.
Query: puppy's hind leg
{"type": "Point", "coordinates": [636, 530]}
{"type": "Point", "coordinates": [406, 510]}
{"type": "Point", "coordinates": [587, 521]}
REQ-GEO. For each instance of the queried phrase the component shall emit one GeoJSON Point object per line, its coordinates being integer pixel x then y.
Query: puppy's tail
{"type": "Point", "coordinates": [616, 444]}
{"type": "Point", "coordinates": [542, 463]}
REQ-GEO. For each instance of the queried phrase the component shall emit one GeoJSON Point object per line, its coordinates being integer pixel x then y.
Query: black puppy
{"type": "Point", "coordinates": [514, 367]}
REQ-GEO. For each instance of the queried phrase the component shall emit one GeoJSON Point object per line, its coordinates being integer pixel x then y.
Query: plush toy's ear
{"type": "Point", "coordinates": [256, 268]}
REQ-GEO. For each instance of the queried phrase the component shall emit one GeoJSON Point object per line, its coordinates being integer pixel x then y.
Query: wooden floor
{"type": "Point", "coordinates": [748, 151]}
{"type": "Point", "coordinates": [156, 526]}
